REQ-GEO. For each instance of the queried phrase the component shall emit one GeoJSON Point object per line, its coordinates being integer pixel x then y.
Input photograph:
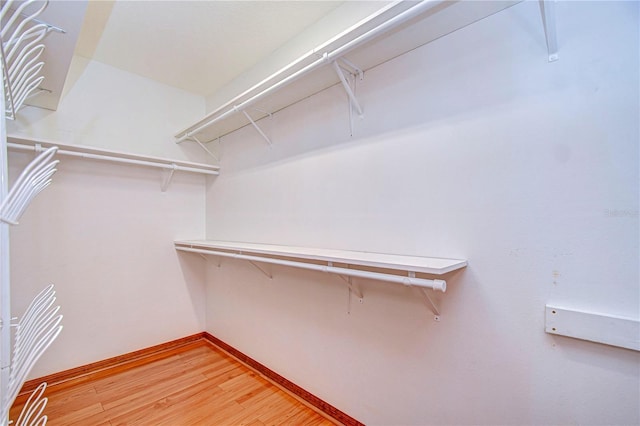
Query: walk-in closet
{"type": "Point", "coordinates": [320, 212]}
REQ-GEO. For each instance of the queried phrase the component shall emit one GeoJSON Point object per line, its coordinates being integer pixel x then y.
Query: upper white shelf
{"type": "Point", "coordinates": [395, 29]}
{"type": "Point", "coordinates": [93, 153]}
{"type": "Point", "coordinates": [86, 152]}
{"type": "Point", "coordinates": [427, 265]}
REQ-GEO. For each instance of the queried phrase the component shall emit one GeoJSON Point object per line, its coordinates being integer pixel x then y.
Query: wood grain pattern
{"type": "Point", "coordinates": [110, 366]}
{"type": "Point", "coordinates": [321, 405]}
{"type": "Point", "coordinates": [195, 383]}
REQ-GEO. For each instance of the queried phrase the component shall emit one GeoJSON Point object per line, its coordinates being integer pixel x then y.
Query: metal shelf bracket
{"type": "Point", "coordinates": [347, 87]}
{"type": "Point", "coordinates": [432, 306]}
{"type": "Point", "coordinates": [167, 180]}
{"type": "Point", "coordinates": [253, 123]}
{"type": "Point", "coordinates": [354, 69]}
{"type": "Point", "coordinates": [270, 276]}
{"type": "Point", "coordinates": [203, 146]}
{"type": "Point", "coordinates": [427, 298]}
{"type": "Point", "coordinates": [353, 287]}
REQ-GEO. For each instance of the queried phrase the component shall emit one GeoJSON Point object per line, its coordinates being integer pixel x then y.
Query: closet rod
{"type": "Point", "coordinates": [408, 280]}
{"type": "Point", "coordinates": [325, 57]}
{"type": "Point", "coordinates": [141, 160]}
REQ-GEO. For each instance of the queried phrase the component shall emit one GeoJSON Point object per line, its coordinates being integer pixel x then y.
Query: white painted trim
{"type": "Point", "coordinates": [595, 327]}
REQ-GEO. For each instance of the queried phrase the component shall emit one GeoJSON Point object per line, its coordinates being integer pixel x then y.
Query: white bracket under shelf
{"type": "Point", "coordinates": [432, 306]}
{"type": "Point", "coordinates": [203, 146]}
{"type": "Point", "coordinates": [253, 123]}
{"type": "Point", "coordinates": [548, 10]}
{"type": "Point", "coordinates": [427, 297]}
{"type": "Point", "coordinates": [352, 68]}
{"type": "Point", "coordinates": [347, 87]}
{"type": "Point", "coordinates": [353, 287]}
{"type": "Point", "coordinates": [167, 180]}
{"type": "Point", "coordinates": [267, 274]}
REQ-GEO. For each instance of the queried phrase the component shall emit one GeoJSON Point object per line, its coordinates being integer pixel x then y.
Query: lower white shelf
{"type": "Point", "coordinates": [375, 266]}
{"type": "Point", "coordinates": [427, 265]}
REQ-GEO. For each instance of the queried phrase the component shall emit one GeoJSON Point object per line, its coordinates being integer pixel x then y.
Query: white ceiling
{"type": "Point", "coordinates": [198, 46]}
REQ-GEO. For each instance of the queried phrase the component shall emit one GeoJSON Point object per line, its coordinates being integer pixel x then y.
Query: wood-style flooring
{"type": "Point", "coordinates": [198, 385]}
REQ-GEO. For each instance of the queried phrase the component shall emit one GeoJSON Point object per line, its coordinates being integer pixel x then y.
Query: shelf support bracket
{"type": "Point", "coordinates": [253, 123]}
{"type": "Point", "coordinates": [432, 306]}
{"type": "Point", "coordinates": [352, 289]}
{"type": "Point", "coordinates": [355, 69]}
{"type": "Point", "coordinates": [196, 140]}
{"type": "Point", "coordinates": [548, 9]}
{"type": "Point", "coordinates": [427, 298]}
{"type": "Point", "coordinates": [261, 269]}
{"type": "Point", "coordinates": [347, 88]}
{"type": "Point", "coordinates": [263, 111]}
{"type": "Point", "coordinates": [168, 178]}
{"type": "Point", "coordinates": [352, 286]}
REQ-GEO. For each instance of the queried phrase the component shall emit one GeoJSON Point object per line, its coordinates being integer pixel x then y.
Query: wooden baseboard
{"type": "Point", "coordinates": [113, 365]}
{"type": "Point", "coordinates": [296, 390]}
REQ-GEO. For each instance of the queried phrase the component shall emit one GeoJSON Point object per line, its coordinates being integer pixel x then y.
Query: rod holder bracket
{"type": "Point", "coordinates": [267, 274]}
{"type": "Point", "coordinates": [347, 88]}
{"type": "Point", "coordinates": [211, 154]}
{"type": "Point", "coordinates": [167, 180]}
{"type": "Point", "coordinates": [258, 129]}
{"type": "Point", "coordinates": [353, 287]}
{"type": "Point", "coordinates": [432, 306]}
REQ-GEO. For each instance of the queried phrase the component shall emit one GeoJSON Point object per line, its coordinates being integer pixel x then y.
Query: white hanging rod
{"type": "Point", "coordinates": [326, 57]}
{"type": "Point", "coordinates": [408, 280]}
{"type": "Point", "coordinates": [113, 156]}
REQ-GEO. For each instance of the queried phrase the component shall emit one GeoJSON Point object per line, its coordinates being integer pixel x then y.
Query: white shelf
{"type": "Point", "coordinates": [426, 265]}
{"type": "Point", "coordinates": [357, 264]}
{"type": "Point", "coordinates": [90, 153]}
{"type": "Point", "coordinates": [93, 153]}
{"type": "Point", "coordinates": [396, 29]}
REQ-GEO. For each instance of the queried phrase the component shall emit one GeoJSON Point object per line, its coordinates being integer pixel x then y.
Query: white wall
{"type": "Point", "coordinates": [471, 147]}
{"type": "Point", "coordinates": [109, 108]}
{"type": "Point", "coordinates": [103, 233]}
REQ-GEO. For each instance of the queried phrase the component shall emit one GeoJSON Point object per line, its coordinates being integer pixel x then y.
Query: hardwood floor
{"type": "Point", "coordinates": [197, 385]}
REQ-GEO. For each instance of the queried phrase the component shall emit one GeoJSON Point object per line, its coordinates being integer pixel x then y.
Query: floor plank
{"type": "Point", "coordinates": [200, 386]}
